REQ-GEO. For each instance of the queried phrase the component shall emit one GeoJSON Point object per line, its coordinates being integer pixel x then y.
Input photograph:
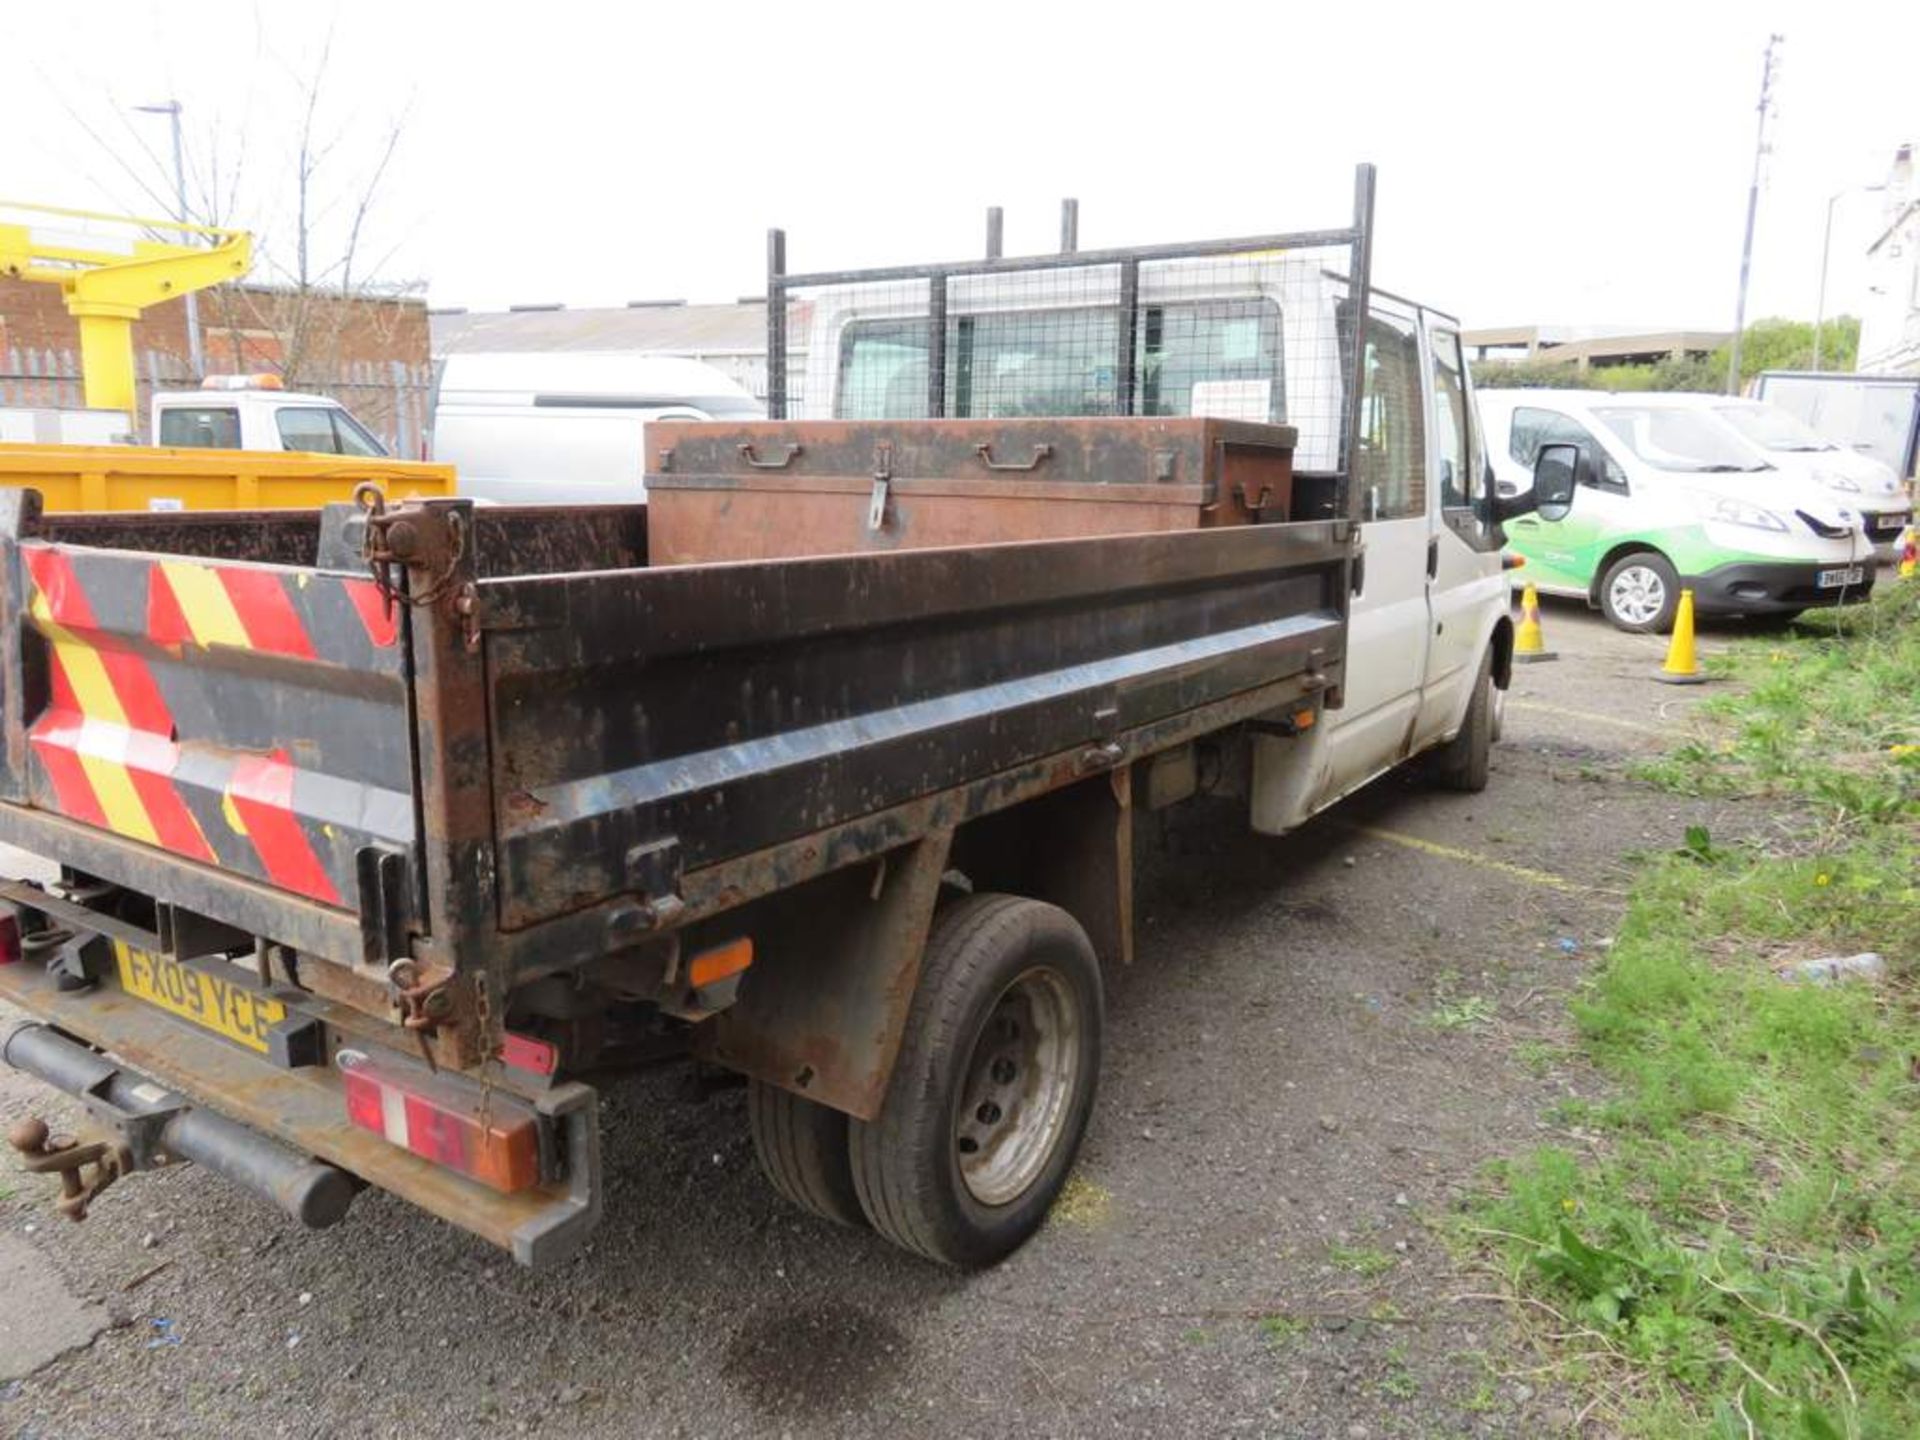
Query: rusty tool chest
{"type": "Point", "coordinates": [777, 489]}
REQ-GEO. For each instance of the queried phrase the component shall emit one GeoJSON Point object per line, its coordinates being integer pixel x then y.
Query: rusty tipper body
{"type": "Point", "coordinates": [427, 812]}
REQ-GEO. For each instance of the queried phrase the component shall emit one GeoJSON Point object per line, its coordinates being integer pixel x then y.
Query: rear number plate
{"type": "Point", "coordinates": [206, 1000]}
{"type": "Point", "coordinates": [1828, 579]}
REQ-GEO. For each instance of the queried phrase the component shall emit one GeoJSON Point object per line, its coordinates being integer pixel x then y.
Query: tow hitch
{"type": "Point", "coordinates": [42, 1153]}
{"type": "Point", "coordinates": [150, 1126]}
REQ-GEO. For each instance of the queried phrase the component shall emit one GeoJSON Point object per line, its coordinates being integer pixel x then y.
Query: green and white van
{"type": "Point", "coordinates": [1669, 498]}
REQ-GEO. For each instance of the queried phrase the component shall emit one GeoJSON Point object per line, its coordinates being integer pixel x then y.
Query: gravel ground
{"type": "Point", "coordinates": [1311, 1056]}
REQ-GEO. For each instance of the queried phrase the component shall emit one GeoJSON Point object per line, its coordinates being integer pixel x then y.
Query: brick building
{"type": "Point", "coordinates": [371, 354]}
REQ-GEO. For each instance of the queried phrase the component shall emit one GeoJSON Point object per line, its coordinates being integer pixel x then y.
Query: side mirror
{"type": "Point", "coordinates": [1556, 472]}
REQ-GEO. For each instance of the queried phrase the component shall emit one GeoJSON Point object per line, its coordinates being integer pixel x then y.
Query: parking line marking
{"type": "Point", "coordinates": [1566, 713]}
{"type": "Point", "coordinates": [1473, 857]}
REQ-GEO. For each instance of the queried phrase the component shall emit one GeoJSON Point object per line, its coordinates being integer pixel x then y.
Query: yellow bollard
{"type": "Point", "coordinates": [1683, 665]}
{"type": "Point", "coordinates": [1529, 644]}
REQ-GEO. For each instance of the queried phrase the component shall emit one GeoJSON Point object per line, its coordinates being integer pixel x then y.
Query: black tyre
{"type": "Point", "coordinates": [1462, 763]}
{"type": "Point", "coordinates": [993, 1085]}
{"type": "Point", "coordinates": [1641, 592]}
{"type": "Point", "coordinates": [802, 1147]}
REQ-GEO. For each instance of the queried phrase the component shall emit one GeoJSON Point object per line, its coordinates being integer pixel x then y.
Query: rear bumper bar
{"type": "Point", "coordinates": [156, 1124]}
{"type": "Point", "coordinates": [281, 1132]}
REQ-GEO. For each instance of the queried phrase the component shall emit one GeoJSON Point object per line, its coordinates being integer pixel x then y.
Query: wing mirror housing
{"type": "Point", "coordinates": [1557, 473]}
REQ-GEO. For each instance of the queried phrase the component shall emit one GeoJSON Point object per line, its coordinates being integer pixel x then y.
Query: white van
{"type": "Point", "coordinates": [523, 428]}
{"type": "Point", "coordinates": [1857, 480]}
{"type": "Point", "coordinates": [1669, 498]}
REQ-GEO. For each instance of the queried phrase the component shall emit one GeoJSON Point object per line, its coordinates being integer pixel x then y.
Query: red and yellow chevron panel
{"type": "Point", "coordinates": [160, 727]}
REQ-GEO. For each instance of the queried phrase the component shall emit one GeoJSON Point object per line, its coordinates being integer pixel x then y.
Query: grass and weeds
{"type": "Point", "coordinates": [1454, 1011]}
{"type": "Point", "coordinates": [1281, 1330]}
{"type": "Point", "coordinates": [1366, 1261]}
{"type": "Point", "coordinates": [1399, 1382]}
{"type": "Point", "coordinates": [1740, 1256]}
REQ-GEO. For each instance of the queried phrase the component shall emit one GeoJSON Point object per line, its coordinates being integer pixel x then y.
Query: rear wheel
{"type": "Point", "coordinates": [802, 1147]}
{"type": "Point", "coordinates": [1641, 592]}
{"type": "Point", "coordinates": [993, 1084]}
{"type": "Point", "coordinates": [1463, 762]}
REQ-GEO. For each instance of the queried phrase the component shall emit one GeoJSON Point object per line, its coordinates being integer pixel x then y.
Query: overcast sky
{"type": "Point", "coordinates": [1537, 163]}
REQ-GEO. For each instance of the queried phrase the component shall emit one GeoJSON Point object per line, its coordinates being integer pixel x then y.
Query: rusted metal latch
{"type": "Point", "coordinates": [425, 1001]}
{"type": "Point", "coordinates": [42, 1153]}
{"type": "Point", "coordinates": [882, 487]}
{"type": "Point", "coordinates": [425, 996]}
{"type": "Point", "coordinates": [415, 539]}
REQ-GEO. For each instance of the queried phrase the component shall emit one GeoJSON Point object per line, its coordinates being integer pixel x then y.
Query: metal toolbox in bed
{"type": "Point", "coordinates": [775, 489]}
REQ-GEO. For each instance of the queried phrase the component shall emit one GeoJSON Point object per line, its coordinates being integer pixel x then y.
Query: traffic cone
{"type": "Point", "coordinates": [1683, 665]}
{"type": "Point", "coordinates": [1909, 553]}
{"type": "Point", "coordinates": [1529, 645]}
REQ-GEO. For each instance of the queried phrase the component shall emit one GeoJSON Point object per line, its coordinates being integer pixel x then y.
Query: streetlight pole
{"type": "Point", "coordinates": [1826, 248]}
{"type": "Point", "coordinates": [172, 111]}
{"type": "Point", "coordinates": [1768, 74]}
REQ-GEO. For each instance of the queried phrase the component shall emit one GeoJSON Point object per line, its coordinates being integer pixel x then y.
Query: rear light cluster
{"type": "Point", "coordinates": [495, 1141]}
{"type": "Point", "coordinates": [9, 935]}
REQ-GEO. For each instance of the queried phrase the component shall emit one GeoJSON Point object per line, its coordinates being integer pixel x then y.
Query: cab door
{"type": "Point", "coordinates": [1466, 588]}
{"type": "Point", "coordinates": [1388, 633]}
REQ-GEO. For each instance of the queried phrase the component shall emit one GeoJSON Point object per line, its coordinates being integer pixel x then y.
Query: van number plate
{"type": "Point", "coordinates": [206, 1000]}
{"type": "Point", "coordinates": [1830, 579]}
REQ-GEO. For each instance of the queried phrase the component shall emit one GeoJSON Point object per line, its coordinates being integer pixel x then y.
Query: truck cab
{"type": "Point", "coordinates": [255, 412]}
{"type": "Point", "coordinates": [1242, 334]}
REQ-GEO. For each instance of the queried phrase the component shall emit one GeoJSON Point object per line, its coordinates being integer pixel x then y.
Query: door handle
{"type": "Point", "coordinates": [1433, 557]}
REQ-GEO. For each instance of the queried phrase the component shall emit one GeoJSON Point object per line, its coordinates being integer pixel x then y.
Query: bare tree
{"type": "Point", "coordinates": [325, 298]}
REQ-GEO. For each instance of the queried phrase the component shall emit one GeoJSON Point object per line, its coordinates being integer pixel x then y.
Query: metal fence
{"type": "Point", "coordinates": [390, 397]}
{"type": "Point", "coordinates": [1256, 328]}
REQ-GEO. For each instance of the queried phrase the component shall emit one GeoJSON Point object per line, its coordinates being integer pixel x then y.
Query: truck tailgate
{"type": "Point", "coordinates": [244, 725]}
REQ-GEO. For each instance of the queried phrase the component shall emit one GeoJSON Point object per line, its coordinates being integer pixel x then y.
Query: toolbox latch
{"type": "Point", "coordinates": [882, 487]}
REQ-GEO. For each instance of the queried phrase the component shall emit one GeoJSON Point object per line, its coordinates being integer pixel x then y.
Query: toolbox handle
{"type": "Point", "coordinates": [746, 453]}
{"type": "Point", "coordinates": [985, 452]}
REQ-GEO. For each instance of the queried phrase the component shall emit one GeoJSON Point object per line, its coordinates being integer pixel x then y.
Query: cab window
{"type": "Point", "coordinates": [354, 438]}
{"type": "Point", "coordinates": [322, 430]}
{"type": "Point", "coordinates": [1533, 427]}
{"type": "Point", "coordinates": [1211, 357]}
{"type": "Point", "coordinates": [306, 428]}
{"type": "Point", "coordinates": [1033, 362]}
{"type": "Point", "coordinates": [201, 427]}
{"type": "Point", "coordinates": [1391, 463]}
{"type": "Point", "coordinates": [1199, 357]}
{"type": "Point", "coordinates": [883, 371]}
{"type": "Point", "coordinates": [1450, 421]}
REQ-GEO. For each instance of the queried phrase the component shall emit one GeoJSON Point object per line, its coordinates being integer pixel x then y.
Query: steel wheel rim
{"type": "Point", "coordinates": [1019, 1083]}
{"type": "Point", "coordinates": [1638, 594]}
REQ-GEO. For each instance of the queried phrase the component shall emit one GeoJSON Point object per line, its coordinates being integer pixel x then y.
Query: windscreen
{"type": "Point", "coordinates": [1683, 441]}
{"type": "Point", "coordinates": [1773, 429]}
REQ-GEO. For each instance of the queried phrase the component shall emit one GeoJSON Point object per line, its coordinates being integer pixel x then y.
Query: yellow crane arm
{"type": "Point", "coordinates": [108, 278]}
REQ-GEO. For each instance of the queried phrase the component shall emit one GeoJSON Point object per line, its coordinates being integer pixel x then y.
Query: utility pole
{"type": "Point", "coordinates": [1769, 73]}
{"type": "Point", "coordinates": [172, 110]}
{"type": "Point", "coordinates": [1826, 249]}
